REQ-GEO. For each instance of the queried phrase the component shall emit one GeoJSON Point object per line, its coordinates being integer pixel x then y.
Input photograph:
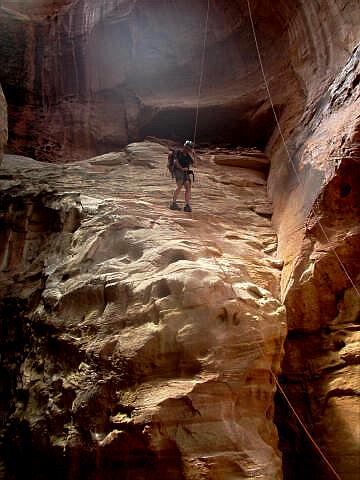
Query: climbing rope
{"type": "Point", "coordinates": [202, 68]}
{"type": "Point", "coordinates": [279, 387]}
{"type": "Point", "coordinates": [316, 446]}
{"type": "Point", "coordinates": [300, 181]}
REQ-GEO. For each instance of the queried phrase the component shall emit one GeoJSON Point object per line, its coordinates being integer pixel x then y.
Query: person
{"type": "Point", "coordinates": [184, 158]}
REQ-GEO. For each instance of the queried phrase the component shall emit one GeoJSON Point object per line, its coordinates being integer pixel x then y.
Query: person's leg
{"type": "Point", "coordinates": [177, 190]}
{"type": "Point", "coordinates": [187, 192]}
{"type": "Point", "coordinates": [187, 185]}
{"type": "Point", "coordinates": [173, 204]}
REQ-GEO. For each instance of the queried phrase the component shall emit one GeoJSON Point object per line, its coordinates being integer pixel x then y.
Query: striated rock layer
{"type": "Point", "coordinates": [86, 77]}
{"type": "Point", "coordinates": [140, 341]}
{"type": "Point", "coordinates": [3, 124]}
{"type": "Point", "coordinates": [71, 94]}
{"type": "Point", "coordinates": [316, 213]}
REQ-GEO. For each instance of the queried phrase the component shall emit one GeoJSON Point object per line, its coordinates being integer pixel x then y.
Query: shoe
{"type": "Point", "coordinates": [174, 206]}
{"type": "Point", "coordinates": [187, 208]}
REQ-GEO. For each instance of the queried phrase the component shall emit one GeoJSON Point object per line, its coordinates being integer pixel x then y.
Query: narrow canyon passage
{"type": "Point", "coordinates": [137, 342]}
{"type": "Point", "coordinates": [151, 334]}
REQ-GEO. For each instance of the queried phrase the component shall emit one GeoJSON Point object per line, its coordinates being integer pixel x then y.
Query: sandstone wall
{"type": "Point", "coordinates": [140, 342]}
{"type": "Point", "coordinates": [316, 215]}
{"type": "Point", "coordinates": [3, 124]}
{"type": "Point", "coordinates": [327, 64]}
{"type": "Point", "coordinates": [78, 95]}
{"type": "Point", "coordinates": [84, 96]}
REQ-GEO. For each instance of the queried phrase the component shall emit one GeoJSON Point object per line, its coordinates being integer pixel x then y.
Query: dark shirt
{"type": "Point", "coordinates": [184, 159]}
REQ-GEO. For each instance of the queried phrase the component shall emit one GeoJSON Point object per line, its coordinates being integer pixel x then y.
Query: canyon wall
{"type": "Point", "coordinates": [139, 342]}
{"type": "Point", "coordinates": [3, 124]}
{"type": "Point", "coordinates": [72, 94]}
{"type": "Point", "coordinates": [83, 78]}
{"type": "Point", "coordinates": [316, 215]}
{"type": "Point", "coordinates": [319, 240]}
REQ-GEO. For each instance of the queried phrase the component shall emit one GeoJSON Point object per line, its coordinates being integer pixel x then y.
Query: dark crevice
{"type": "Point", "coordinates": [300, 460]}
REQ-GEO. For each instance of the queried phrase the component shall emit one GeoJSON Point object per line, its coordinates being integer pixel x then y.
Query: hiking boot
{"type": "Point", "coordinates": [174, 206]}
{"type": "Point", "coordinates": [187, 208]}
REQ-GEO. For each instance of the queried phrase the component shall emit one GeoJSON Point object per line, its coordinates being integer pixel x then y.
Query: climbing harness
{"type": "Point", "coordinates": [190, 173]}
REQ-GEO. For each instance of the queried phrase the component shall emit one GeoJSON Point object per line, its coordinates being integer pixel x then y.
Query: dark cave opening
{"type": "Point", "coordinates": [217, 125]}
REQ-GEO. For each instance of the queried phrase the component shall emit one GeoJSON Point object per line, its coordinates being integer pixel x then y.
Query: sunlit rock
{"type": "Point", "coordinates": [83, 79]}
{"type": "Point", "coordinates": [153, 335]}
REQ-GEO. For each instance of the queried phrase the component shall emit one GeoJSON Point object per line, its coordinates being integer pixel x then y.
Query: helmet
{"type": "Point", "coordinates": [189, 144]}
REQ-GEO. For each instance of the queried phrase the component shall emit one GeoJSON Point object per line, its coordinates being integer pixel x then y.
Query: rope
{"type": "Point", "coordinates": [301, 183]}
{"type": "Point", "coordinates": [279, 387]}
{"type": "Point", "coordinates": [281, 390]}
{"type": "Point", "coordinates": [202, 68]}
{"type": "Point", "coordinates": [318, 449]}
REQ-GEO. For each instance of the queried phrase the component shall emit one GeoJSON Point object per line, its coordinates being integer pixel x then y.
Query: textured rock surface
{"type": "Point", "coordinates": [317, 218]}
{"type": "Point", "coordinates": [76, 96]}
{"type": "Point", "coordinates": [245, 158]}
{"type": "Point", "coordinates": [70, 95]}
{"type": "Point", "coordinates": [3, 124]}
{"type": "Point", "coordinates": [140, 340]}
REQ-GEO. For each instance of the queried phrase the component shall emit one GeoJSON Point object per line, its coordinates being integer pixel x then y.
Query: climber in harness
{"type": "Point", "coordinates": [179, 163]}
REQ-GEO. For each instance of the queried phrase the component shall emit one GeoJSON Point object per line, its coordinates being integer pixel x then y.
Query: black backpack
{"type": "Point", "coordinates": [173, 155]}
{"type": "Point", "coordinates": [171, 161]}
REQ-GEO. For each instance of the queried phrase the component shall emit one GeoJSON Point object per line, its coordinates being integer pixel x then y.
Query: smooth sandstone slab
{"type": "Point", "coordinates": [165, 325]}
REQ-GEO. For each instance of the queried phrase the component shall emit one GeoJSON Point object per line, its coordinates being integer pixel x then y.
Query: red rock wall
{"type": "Point", "coordinates": [71, 94]}
{"type": "Point", "coordinates": [3, 123]}
{"type": "Point", "coordinates": [321, 42]}
{"type": "Point", "coordinates": [316, 198]}
{"type": "Point", "coordinates": [84, 96]}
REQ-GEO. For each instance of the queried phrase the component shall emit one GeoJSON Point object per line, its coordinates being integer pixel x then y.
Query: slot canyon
{"type": "Point", "coordinates": [144, 343]}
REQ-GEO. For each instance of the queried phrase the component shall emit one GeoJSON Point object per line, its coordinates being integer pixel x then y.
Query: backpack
{"type": "Point", "coordinates": [171, 161]}
{"type": "Point", "coordinates": [173, 155]}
